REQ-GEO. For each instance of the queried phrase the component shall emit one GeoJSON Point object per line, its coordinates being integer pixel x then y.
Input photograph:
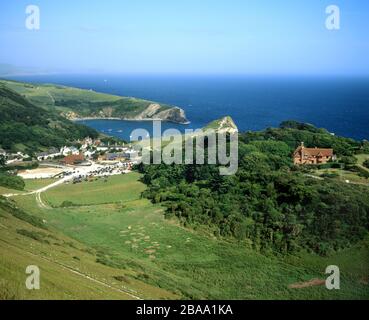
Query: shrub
{"type": "Point", "coordinates": [12, 182]}
{"type": "Point", "coordinates": [366, 163]}
{"type": "Point", "coordinates": [38, 236]}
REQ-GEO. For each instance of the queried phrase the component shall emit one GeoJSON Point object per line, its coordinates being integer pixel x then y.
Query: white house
{"type": "Point", "coordinates": [50, 154]}
{"type": "Point", "coordinates": [132, 155]}
{"type": "Point", "coordinates": [16, 157]}
{"type": "Point", "coordinates": [89, 153]}
{"type": "Point", "coordinates": [66, 151]}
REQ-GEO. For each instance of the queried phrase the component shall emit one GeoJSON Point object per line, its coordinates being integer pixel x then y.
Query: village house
{"type": "Point", "coordinates": [117, 147]}
{"type": "Point", "coordinates": [50, 154]}
{"type": "Point", "coordinates": [73, 159]}
{"type": "Point", "coordinates": [131, 155]}
{"type": "Point", "coordinates": [89, 153]}
{"type": "Point", "coordinates": [16, 157]}
{"type": "Point", "coordinates": [113, 157]}
{"type": "Point", "coordinates": [65, 151]}
{"type": "Point", "coordinates": [303, 155]}
{"type": "Point", "coordinates": [102, 148]}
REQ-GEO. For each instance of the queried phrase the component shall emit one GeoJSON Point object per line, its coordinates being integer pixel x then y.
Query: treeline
{"type": "Point", "coordinates": [269, 203]}
{"type": "Point", "coordinates": [30, 128]}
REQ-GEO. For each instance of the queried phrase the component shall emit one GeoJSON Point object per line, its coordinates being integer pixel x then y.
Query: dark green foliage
{"type": "Point", "coordinates": [124, 107]}
{"type": "Point", "coordinates": [23, 123]}
{"type": "Point", "coordinates": [11, 181]}
{"type": "Point", "coordinates": [348, 160]}
{"type": "Point", "coordinates": [22, 166]}
{"type": "Point", "coordinates": [293, 133]}
{"type": "Point", "coordinates": [35, 235]}
{"type": "Point", "coordinates": [269, 201]}
{"type": "Point", "coordinates": [291, 124]}
{"type": "Point", "coordinates": [361, 171]}
{"type": "Point", "coordinates": [67, 204]}
{"type": "Point", "coordinates": [366, 163]}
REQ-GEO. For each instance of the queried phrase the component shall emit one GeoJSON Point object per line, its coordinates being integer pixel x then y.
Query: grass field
{"type": "Point", "coordinates": [30, 185]}
{"type": "Point", "coordinates": [83, 102]}
{"type": "Point", "coordinates": [4, 190]}
{"type": "Point", "coordinates": [116, 189]}
{"type": "Point", "coordinates": [34, 184]}
{"type": "Point", "coordinates": [130, 235]}
{"type": "Point", "coordinates": [361, 158]}
{"type": "Point", "coordinates": [344, 175]}
{"type": "Point", "coordinates": [68, 268]}
{"type": "Point", "coordinates": [45, 95]}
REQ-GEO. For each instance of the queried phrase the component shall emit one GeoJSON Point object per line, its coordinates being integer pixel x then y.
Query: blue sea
{"type": "Point", "coordinates": [339, 104]}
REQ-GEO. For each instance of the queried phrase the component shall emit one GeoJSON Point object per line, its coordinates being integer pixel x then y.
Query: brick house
{"type": "Point", "coordinates": [303, 155]}
{"type": "Point", "coordinates": [73, 159]}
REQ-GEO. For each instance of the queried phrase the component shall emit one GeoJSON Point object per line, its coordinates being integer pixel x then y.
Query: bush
{"type": "Point", "coordinates": [348, 160]}
{"type": "Point", "coordinates": [67, 204]}
{"type": "Point", "coordinates": [330, 175]}
{"type": "Point", "coordinates": [38, 236]}
{"type": "Point", "coordinates": [12, 182]}
{"type": "Point", "coordinates": [10, 208]}
{"type": "Point", "coordinates": [366, 163]}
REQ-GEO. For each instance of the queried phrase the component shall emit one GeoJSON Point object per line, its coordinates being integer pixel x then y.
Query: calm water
{"type": "Point", "coordinates": [339, 104]}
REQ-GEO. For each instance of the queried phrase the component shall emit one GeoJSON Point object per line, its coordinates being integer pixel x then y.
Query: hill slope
{"type": "Point", "coordinates": [26, 127]}
{"type": "Point", "coordinates": [74, 103]}
{"type": "Point", "coordinates": [122, 239]}
{"type": "Point", "coordinates": [225, 124]}
{"type": "Point", "coordinates": [69, 269]}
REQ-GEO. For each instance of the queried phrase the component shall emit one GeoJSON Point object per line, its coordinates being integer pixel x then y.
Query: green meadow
{"type": "Point", "coordinates": [47, 94]}
{"type": "Point", "coordinates": [158, 258]}
{"type": "Point", "coordinates": [97, 191]}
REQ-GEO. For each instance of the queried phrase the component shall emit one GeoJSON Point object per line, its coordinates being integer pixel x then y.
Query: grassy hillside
{"type": "Point", "coordinates": [27, 127]}
{"type": "Point", "coordinates": [131, 238]}
{"type": "Point", "coordinates": [69, 269]}
{"type": "Point", "coordinates": [79, 103]}
{"type": "Point", "coordinates": [223, 124]}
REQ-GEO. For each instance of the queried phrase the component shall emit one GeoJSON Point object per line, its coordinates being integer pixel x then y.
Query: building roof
{"type": "Point", "coordinates": [314, 152]}
{"type": "Point", "coordinates": [53, 151]}
{"type": "Point", "coordinates": [113, 156]}
{"type": "Point", "coordinates": [73, 158]}
{"type": "Point", "coordinates": [42, 154]}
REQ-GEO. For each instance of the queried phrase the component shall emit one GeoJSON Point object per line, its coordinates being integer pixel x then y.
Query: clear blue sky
{"type": "Point", "coordinates": [187, 36]}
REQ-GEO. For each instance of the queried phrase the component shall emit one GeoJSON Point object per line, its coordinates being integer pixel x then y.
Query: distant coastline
{"type": "Point", "coordinates": [253, 102]}
{"type": "Point", "coordinates": [123, 119]}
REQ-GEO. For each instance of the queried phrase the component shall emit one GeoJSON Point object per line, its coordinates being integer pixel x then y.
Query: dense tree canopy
{"type": "Point", "coordinates": [269, 202]}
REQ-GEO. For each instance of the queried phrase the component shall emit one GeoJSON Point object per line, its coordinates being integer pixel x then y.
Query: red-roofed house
{"type": "Point", "coordinates": [304, 155]}
{"type": "Point", "coordinates": [73, 159]}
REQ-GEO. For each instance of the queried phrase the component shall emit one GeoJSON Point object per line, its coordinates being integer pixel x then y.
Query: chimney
{"type": "Point", "coordinates": [302, 151]}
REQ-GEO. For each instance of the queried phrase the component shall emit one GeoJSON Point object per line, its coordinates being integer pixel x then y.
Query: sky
{"type": "Point", "coordinates": [187, 36]}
